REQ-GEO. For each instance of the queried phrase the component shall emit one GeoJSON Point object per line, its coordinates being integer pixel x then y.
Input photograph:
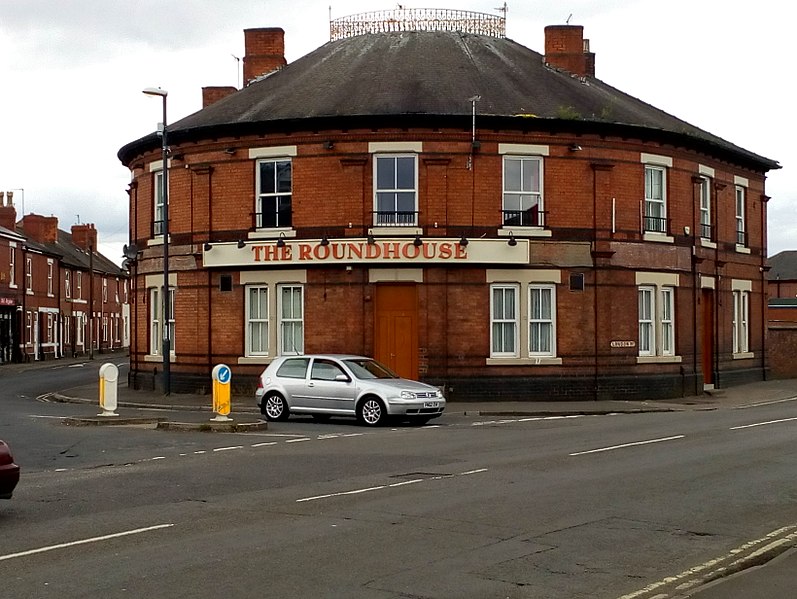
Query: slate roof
{"type": "Point", "coordinates": [425, 75]}
{"type": "Point", "coordinates": [783, 266]}
{"type": "Point", "coordinates": [73, 255]}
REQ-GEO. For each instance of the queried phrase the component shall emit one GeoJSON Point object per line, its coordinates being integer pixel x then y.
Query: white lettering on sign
{"type": "Point", "coordinates": [623, 344]}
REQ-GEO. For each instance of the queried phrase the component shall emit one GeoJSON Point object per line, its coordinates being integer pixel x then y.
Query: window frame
{"type": "Point", "coordinates": [550, 320]}
{"type": "Point", "coordinates": [276, 195]}
{"type": "Point", "coordinates": [740, 199]}
{"type": "Point", "coordinates": [651, 201]}
{"type": "Point", "coordinates": [539, 216]}
{"type": "Point", "coordinates": [513, 320]}
{"type": "Point", "coordinates": [659, 321]}
{"type": "Point", "coordinates": [741, 321]}
{"type": "Point", "coordinates": [249, 351]}
{"type": "Point", "coordinates": [705, 208]}
{"type": "Point", "coordinates": [292, 320]}
{"type": "Point", "coordinates": [12, 264]}
{"type": "Point", "coordinates": [67, 284]}
{"type": "Point", "coordinates": [29, 275]}
{"type": "Point", "coordinates": [50, 271]}
{"type": "Point", "coordinates": [397, 220]}
{"type": "Point", "coordinates": [158, 204]}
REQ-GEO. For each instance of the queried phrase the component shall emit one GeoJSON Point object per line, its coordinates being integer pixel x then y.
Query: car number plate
{"type": "Point", "coordinates": [431, 404]}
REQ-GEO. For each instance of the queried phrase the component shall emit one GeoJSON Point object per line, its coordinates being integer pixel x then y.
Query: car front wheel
{"type": "Point", "coordinates": [371, 412]}
{"type": "Point", "coordinates": [275, 408]}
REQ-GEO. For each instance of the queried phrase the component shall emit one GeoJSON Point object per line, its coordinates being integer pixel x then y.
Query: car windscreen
{"type": "Point", "coordinates": [370, 369]}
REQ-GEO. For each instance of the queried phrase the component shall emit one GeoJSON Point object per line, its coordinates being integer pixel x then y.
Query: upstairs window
{"type": "Point", "coordinates": [655, 219]}
{"type": "Point", "coordinates": [395, 190]}
{"type": "Point", "coordinates": [50, 278]}
{"type": "Point", "coordinates": [522, 205]}
{"type": "Point", "coordinates": [741, 231]}
{"type": "Point", "coordinates": [67, 284]}
{"type": "Point", "coordinates": [158, 222]}
{"type": "Point", "coordinates": [12, 264]}
{"type": "Point", "coordinates": [705, 208]}
{"type": "Point", "coordinates": [29, 275]}
{"type": "Point", "coordinates": [274, 188]}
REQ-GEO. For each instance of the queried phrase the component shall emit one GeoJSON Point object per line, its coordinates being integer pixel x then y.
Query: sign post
{"type": "Point", "coordinates": [222, 377]}
{"type": "Point", "coordinates": [109, 376]}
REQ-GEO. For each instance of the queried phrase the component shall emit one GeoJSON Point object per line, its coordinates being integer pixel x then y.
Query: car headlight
{"type": "Point", "coordinates": [439, 394]}
{"type": "Point", "coordinates": [407, 395]}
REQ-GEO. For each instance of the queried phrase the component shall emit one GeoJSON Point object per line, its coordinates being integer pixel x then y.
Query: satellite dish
{"type": "Point", "coordinates": [130, 251]}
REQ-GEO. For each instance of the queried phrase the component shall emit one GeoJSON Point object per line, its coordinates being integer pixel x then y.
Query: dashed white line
{"type": "Point", "coordinates": [613, 447]}
{"type": "Point", "coordinates": [392, 485]}
{"type": "Point", "coordinates": [736, 428]}
{"type": "Point", "coordinates": [266, 444]}
{"type": "Point", "coordinates": [83, 541]}
{"type": "Point", "coordinates": [298, 440]}
{"type": "Point", "coordinates": [228, 448]}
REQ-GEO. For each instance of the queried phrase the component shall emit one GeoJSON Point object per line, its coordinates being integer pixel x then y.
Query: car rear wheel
{"type": "Point", "coordinates": [371, 412]}
{"type": "Point", "coordinates": [275, 408]}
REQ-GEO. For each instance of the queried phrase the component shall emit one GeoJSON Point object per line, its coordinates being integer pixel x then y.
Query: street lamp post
{"type": "Point", "coordinates": [156, 91]}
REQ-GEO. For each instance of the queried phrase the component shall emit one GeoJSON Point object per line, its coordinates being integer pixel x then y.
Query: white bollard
{"type": "Point", "coordinates": [109, 377]}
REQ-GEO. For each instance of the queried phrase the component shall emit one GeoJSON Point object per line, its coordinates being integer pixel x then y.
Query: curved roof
{"type": "Point", "coordinates": [421, 74]}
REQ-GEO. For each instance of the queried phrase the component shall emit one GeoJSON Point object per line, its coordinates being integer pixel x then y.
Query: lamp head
{"type": "Point", "coordinates": [155, 91]}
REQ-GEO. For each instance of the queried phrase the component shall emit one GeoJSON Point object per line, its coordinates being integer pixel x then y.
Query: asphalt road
{"type": "Point", "coordinates": [633, 506]}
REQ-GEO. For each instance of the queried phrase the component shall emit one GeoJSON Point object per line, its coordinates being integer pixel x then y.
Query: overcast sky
{"type": "Point", "coordinates": [72, 71]}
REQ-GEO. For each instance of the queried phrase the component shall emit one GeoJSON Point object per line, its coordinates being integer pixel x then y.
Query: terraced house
{"type": "Point", "coordinates": [491, 219]}
{"type": "Point", "coordinates": [58, 295]}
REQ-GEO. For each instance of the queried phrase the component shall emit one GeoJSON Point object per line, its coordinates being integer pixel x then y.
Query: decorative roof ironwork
{"type": "Point", "coordinates": [417, 19]}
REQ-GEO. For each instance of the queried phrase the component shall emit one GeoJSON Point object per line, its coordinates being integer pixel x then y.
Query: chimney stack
{"type": "Point", "coordinates": [8, 214]}
{"type": "Point", "coordinates": [566, 49]}
{"type": "Point", "coordinates": [43, 229]}
{"type": "Point", "coordinates": [85, 236]}
{"type": "Point", "coordinates": [213, 93]}
{"type": "Point", "coordinates": [264, 52]}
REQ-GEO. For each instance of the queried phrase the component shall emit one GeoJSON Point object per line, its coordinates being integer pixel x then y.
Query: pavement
{"type": "Point", "coordinates": [196, 409]}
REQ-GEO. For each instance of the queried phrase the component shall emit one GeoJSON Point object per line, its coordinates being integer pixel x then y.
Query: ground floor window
{"type": "Point", "coordinates": [274, 319]}
{"type": "Point", "coordinates": [523, 318]}
{"type": "Point", "coordinates": [257, 321]}
{"type": "Point", "coordinates": [291, 310]}
{"type": "Point", "coordinates": [741, 315]}
{"type": "Point", "coordinates": [542, 337]}
{"type": "Point", "coordinates": [157, 320]}
{"type": "Point", "coordinates": [503, 321]}
{"type": "Point", "coordinates": [656, 321]}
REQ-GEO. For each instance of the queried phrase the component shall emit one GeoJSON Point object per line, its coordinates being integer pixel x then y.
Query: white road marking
{"type": "Point", "coordinates": [767, 403]}
{"type": "Point", "coordinates": [266, 444]}
{"type": "Point", "coordinates": [736, 428]}
{"type": "Point", "coordinates": [41, 416]}
{"type": "Point", "coordinates": [392, 485]}
{"type": "Point", "coordinates": [613, 447]}
{"type": "Point", "coordinates": [228, 448]}
{"type": "Point", "coordinates": [706, 566]}
{"type": "Point", "coordinates": [354, 492]}
{"type": "Point", "coordinates": [83, 541]}
{"type": "Point", "coordinates": [298, 440]}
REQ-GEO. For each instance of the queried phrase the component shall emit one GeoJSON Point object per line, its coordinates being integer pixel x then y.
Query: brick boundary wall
{"type": "Point", "coordinates": [782, 349]}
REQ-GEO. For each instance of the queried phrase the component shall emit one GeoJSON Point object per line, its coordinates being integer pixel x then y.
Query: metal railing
{"type": "Point", "coordinates": [655, 224]}
{"type": "Point", "coordinates": [393, 218]}
{"type": "Point", "coordinates": [272, 219]}
{"type": "Point", "coordinates": [418, 19]}
{"type": "Point", "coordinates": [524, 218]}
{"type": "Point", "coordinates": [707, 232]}
{"type": "Point", "coordinates": [741, 238]}
{"type": "Point", "coordinates": [158, 227]}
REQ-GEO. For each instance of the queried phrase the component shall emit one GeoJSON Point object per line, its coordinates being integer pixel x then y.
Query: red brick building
{"type": "Point", "coordinates": [58, 295]}
{"type": "Point", "coordinates": [468, 211]}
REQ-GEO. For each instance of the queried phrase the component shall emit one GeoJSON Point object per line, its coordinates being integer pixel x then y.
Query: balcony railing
{"type": "Point", "coordinates": [706, 232]}
{"type": "Point", "coordinates": [741, 238]}
{"type": "Point", "coordinates": [272, 219]}
{"type": "Point", "coordinates": [393, 218]}
{"type": "Point", "coordinates": [524, 218]}
{"type": "Point", "coordinates": [655, 224]}
{"type": "Point", "coordinates": [157, 228]}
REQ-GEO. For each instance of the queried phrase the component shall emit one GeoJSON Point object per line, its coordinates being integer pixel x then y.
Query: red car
{"type": "Point", "coordinates": [9, 472]}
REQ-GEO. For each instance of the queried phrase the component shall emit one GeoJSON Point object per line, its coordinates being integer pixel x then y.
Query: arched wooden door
{"type": "Point", "coordinates": [396, 328]}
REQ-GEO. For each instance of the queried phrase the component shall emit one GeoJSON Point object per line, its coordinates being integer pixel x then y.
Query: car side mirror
{"type": "Point", "coordinates": [342, 378]}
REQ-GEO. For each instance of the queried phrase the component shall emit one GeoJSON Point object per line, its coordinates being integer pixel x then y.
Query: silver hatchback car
{"type": "Point", "coordinates": [342, 385]}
